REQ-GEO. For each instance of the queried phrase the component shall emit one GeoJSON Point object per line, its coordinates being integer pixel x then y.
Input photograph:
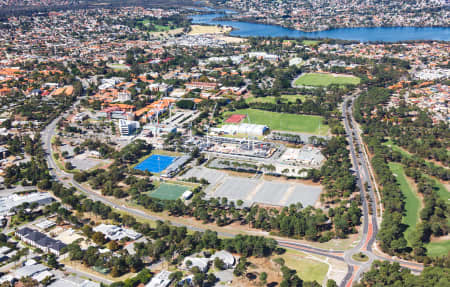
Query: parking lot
{"type": "Point", "coordinates": [84, 162]}
{"type": "Point", "coordinates": [249, 190]}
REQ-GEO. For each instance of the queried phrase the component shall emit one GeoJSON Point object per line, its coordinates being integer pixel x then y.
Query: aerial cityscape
{"type": "Point", "coordinates": [224, 143]}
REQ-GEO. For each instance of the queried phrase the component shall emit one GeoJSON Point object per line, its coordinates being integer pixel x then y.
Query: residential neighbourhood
{"type": "Point", "coordinates": [141, 148]}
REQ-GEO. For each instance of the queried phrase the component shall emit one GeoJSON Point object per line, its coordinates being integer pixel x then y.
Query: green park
{"type": "Point", "coordinates": [324, 80]}
{"type": "Point", "coordinates": [284, 122]}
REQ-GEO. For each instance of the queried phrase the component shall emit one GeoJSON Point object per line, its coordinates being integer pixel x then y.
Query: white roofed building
{"type": "Point", "coordinates": [113, 232]}
{"type": "Point", "coordinates": [226, 257]}
{"type": "Point", "coordinates": [160, 280]}
{"type": "Point", "coordinates": [201, 263]}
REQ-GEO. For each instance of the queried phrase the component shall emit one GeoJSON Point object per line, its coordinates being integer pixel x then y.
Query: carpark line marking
{"type": "Point", "coordinates": [287, 194]}
{"type": "Point", "coordinates": [252, 194]}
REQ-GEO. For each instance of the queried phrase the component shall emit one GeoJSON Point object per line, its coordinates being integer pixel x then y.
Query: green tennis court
{"type": "Point", "coordinates": [168, 191]}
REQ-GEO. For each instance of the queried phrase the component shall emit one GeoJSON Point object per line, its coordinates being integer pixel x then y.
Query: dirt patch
{"type": "Point", "coordinates": [294, 180]}
{"type": "Point", "coordinates": [440, 239]}
{"type": "Point", "coordinates": [257, 266]}
{"type": "Point", "coordinates": [239, 173]}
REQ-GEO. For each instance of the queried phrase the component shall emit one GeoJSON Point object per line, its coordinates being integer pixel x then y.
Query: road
{"type": "Point", "coordinates": [362, 172]}
{"type": "Point", "coordinates": [88, 275]}
{"type": "Point", "coordinates": [16, 189]}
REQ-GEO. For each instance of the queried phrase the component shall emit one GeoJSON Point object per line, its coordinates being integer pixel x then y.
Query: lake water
{"type": "Point", "coordinates": [386, 34]}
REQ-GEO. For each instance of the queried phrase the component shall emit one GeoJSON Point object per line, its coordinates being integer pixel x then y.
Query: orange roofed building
{"type": "Point", "coordinates": [154, 109]}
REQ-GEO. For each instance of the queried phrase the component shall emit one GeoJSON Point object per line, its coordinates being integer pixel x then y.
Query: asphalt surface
{"type": "Point", "coordinates": [360, 162]}
{"type": "Point", "coordinates": [363, 173]}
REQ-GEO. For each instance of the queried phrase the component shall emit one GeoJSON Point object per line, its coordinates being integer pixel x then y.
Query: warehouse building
{"type": "Point", "coordinates": [242, 129]}
{"type": "Point", "coordinates": [9, 203]}
{"type": "Point", "coordinates": [175, 166]}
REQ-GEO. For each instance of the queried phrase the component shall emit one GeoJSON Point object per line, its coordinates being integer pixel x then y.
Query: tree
{"type": "Point", "coordinates": [29, 282]}
{"type": "Point", "coordinates": [195, 152]}
{"type": "Point", "coordinates": [219, 264]}
{"type": "Point", "coordinates": [113, 245]}
{"type": "Point", "coordinates": [57, 141]}
{"type": "Point", "coordinates": [68, 165]}
{"type": "Point", "coordinates": [241, 267]}
{"type": "Point", "coordinates": [98, 238]}
{"type": "Point", "coordinates": [199, 278]}
{"type": "Point", "coordinates": [331, 283]}
{"type": "Point", "coordinates": [77, 150]}
{"type": "Point", "coordinates": [44, 184]}
{"type": "Point", "coordinates": [263, 278]}
{"type": "Point", "coordinates": [51, 260]}
{"type": "Point", "coordinates": [211, 279]}
{"type": "Point", "coordinates": [176, 276]}
{"type": "Point", "coordinates": [185, 104]}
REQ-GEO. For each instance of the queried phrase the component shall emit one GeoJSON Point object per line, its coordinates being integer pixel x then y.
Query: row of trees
{"type": "Point", "coordinates": [384, 273]}
{"type": "Point", "coordinates": [293, 221]}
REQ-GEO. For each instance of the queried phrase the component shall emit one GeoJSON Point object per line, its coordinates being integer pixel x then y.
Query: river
{"type": "Point", "coordinates": [385, 34]}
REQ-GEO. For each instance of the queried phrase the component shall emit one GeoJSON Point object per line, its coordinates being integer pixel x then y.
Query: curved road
{"type": "Point", "coordinates": [360, 164]}
{"type": "Point", "coordinates": [364, 175]}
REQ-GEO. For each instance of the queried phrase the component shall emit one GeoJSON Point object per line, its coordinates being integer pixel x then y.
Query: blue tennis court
{"type": "Point", "coordinates": [155, 163]}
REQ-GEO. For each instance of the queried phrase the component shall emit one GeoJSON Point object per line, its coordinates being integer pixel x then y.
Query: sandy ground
{"type": "Point", "coordinates": [232, 40]}
{"type": "Point", "coordinates": [203, 29]}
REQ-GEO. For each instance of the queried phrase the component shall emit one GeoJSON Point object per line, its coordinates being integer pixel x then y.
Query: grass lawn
{"type": "Point", "coordinates": [307, 268]}
{"type": "Point", "coordinates": [411, 218]}
{"type": "Point", "coordinates": [395, 147]}
{"type": "Point", "coordinates": [158, 28]}
{"type": "Point", "coordinates": [438, 186]}
{"type": "Point", "coordinates": [117, 66]}
{"type": "Point", "coordinates": [438, 248]}
{"type": "Point", "coordinates": [324, 80]}
{"type": "Point", "coordinates": [361, 257]}
{"type": "Point", "coordinates": [310, 42]}
{"type": "Point", "coordinates": [284, 122]}
{"type": "Point", "coordinates": [168, 191]}
{"type": "Point", "coordinates": [272, 100]}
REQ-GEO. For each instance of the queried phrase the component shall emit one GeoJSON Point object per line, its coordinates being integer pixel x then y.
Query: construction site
{"type": "Point", "coordinates": [236, 146]}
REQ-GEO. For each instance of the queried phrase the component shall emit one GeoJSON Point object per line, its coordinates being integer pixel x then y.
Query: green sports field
{"type": "Point", "coordinates": [273, 100]}
{"type": "Point", "coordinates": [310, 42]}
{"type": "Point", "coordinates": [167, 191]}
{"type": "Point", "coordinates": [284, 122]}
{"type": "Point", "coordinates": [324, 80]}
{"type": "Point", "coordinates": [412, 205]}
